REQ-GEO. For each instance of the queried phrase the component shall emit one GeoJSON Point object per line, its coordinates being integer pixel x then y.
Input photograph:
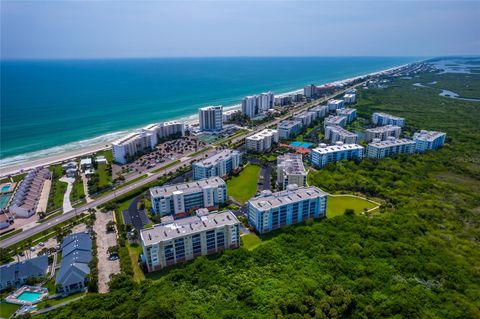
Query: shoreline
{"type": "Point", "coordinates": [16, 164]}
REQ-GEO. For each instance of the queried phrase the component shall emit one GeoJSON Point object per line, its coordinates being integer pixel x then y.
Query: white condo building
{"type": "Point", "coordinates": [290, 170]}
{"type": "Point", "coordinates": [229, 115]}
{"type": "Point", "coordinates": [350, 114]}
{"type": "Point", "coordinates": [335, 105]}
{"type": "Point", "coordinates": [266, 101]}
{"type": "Point", "coordinates": [250, 106]}
{"type": "Point", "coordinates": [320, 110]}
{"type": "Point", "coordinates": [380, 119]}
{"type": "Point", "coordinates": [177, 241]}
{"type": "Point", "coordinates": [220, 164]}
{"type": "Point", "coordinates": [349, 98]}
{"type": "Point", "coordinates": [428, 140]}
{"type": "Point", "coordinates": [305, 117]}
{"type": "Point", "coordinates": [184, 197]}
{"type": "Point", "coordinates": [382, 132]}
{"type": "Point", "coordinates": [390, 147]}
{"type": "Point", "coordinates": [333, 120]}
{"type": "Point", "coordinates": [261, 141]}
{"type": "Point", "coordinates": [337, 133]}
{"type": "Point", "coordinates": [211, 118]}
{"type": "Point", "coordinates": [324, 154]}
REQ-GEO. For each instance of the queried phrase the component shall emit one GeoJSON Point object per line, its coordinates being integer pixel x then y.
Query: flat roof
{"type": "Point", "coordinates": [186, 188]}
{"type": "Point", "coordinates": [346, 111]}
{"type": "Point", "coordinates": [291, 164]}
{"type": "Point", "coordinates": [340, 130]}
{"type": "Point", "coordinates": [274, 200]}
{"type": "Point", "coordinates": [186, 226]}
{"type": "Point", "coordinates": [288, 124]}
{"type": "Point", "coordinates": [337, 148]}
{"type": "Point", "coordinates": [218, 157]}
{"type": "Point", "coordinates": [385, 128]}
{"type": "Point", "coordinates": [427, 135]}
{"type": "Point", "coordinates": [391, 142]}
{"type": "Point", "coordinates": [388, 115]}
{"type": "Point", "coordinates": [335, 119]}
{"type": "Point", "coordinates": [262, 134]}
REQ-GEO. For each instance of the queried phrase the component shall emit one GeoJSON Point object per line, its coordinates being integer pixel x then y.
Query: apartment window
{"type": "Point", "coordinates": [196, 244]}
{"type": "Point", "coordinates": [220, 239]}
{"type": "Point", "coordinates": [210, 239]}
{"type": "Point", "coordinates": [168, 251]}
{"type": "Point", "coordinates": [179, 248]}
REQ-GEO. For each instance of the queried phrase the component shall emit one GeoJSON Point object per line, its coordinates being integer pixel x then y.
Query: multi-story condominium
{"type": "Point", "coordinates": [351, 91]}
{"type": "Point", "coordinates": [283, 100]}
{"type": "Point", "coordinates": [320, 110]}
{"type": "Point", "coordinates": [305, 117]}
{"type": "Point", "coordinates": [309, 91]}
{"type": "Point", "coordinates": [382, 132]}
{"type": "Point", "coordinates": [176, 241]}
{"type": "Point", "coordinates": [297, 97]}
{"type": "Point", "coordinates": [229, 115]}
{"type": "Point", "coordinates": [349, 98]}
{"type": "Point", "coordinates": [261, 141]}
{"type": "Point", "coordinates": [333, 120]}
{"type": "Point", "coordinates": [337, 133]}
{"type": "Point", "coordinates": [270, 211]}
{"type": "Point", "coordinates": [290, 170]}
{"type": "Point", "coordinates": [324, 154]}
{"type": "Point", "coordinates": [379, 119]}
{"type": "Point", "coordinates": [390, 147]}
{"type": "Point", "coordinates": [265, 101]}
{"type": "Point", "coordinates": [220, 164]}
{"type": "Point", "coordinates": [428, 140]}
{"type": "Point", "coordinates": [181, 198]}
{"type": "Point", "coordinates": [250, 106]}
{"type": "Point", "coordinates": [313, 91]}
{"type": "Point", "coordinates": [288, 129]}
{"type": "Point", "coordinates": [350, 114]}
{"type": "Point", "coordinates": [211, 118]}
{"type": "Point", "coordinates": [335, 105]}
{"type": "Point", "coordinates": [171, 128]}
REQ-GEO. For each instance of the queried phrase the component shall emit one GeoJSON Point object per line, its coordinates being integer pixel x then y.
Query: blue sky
{"type": "Point", "coordinates": [104, 29]}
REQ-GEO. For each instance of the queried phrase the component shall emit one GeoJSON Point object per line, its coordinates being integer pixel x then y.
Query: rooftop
{"type": "Point", "coordinates": [218, 157]}
{"type": "Point", "coordinates": [336, 148]}
{"type": "Point", "coordinates": [391, 142]}
{"type": "Point", "coordinates": [186, 226]}
{"type": "Point", "coordinates": [345, 111]}
{"type": "Point", "coordinates": [272, 200]}
{"type": "Point", "coordinates": [334, 119]}
{"type": "Point", "coordinates": [393, 117]}
{"type": "Point", "coordinates": [380, 129]}
{"type": "Point", "coordinates": [291, 164]}
{"type": "Point", "coordinates": [288, 124]}
{"type": "Point", "coordinates": [262, 134]}
{"type": "Point", "coordinates": [191, 187]}
{"type": "Point", "coordinates": [427, 135]}
{"type": "Point", "coordinates": [340, 130]}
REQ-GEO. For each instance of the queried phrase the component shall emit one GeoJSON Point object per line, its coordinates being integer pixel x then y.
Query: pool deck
{"type": "Point", "coordinates": [11, 187]}
{"type": "Point", "coordinates": [13, 297]}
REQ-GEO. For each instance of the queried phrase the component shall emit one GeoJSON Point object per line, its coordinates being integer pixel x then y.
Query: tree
{"type": "Point", "coordinates": [110, 226]}
{"type": "Point", "coordinates": [349, 212]}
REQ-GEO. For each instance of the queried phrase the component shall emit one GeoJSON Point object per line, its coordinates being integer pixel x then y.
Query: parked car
{"type": "Point", "coordinates": [41, 244]}
{"type": "Point", "coordinates": [32, 248]}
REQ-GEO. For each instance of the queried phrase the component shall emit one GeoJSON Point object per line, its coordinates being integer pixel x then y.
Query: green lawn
{"type": "Point", "coordinates": [251, 241]}
{"type": "Point", "coordinates": [77, 191]}
{"type": "Point", "coordinates": [337, 205]}
{"type": "Point", "coordinates": [108, 155]}
{"type": "Point", "coordinates": [134, 252]}
{"type": "Point", "coordinates": [53, 302]}
{"type": "Point", "coordinates": [7, 309]}
{"type": "Point", "coordinates": [244, 186]}
{"type": "Point", "coordinates": [104, 177]}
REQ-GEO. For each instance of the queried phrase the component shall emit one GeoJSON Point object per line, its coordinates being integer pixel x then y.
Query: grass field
{"type": "Point", "coordinates": [134, 252]}
{"type": "Point", "coordinates": [104, 178]}
{"type": "Point", "coordinates": [244, 186]}
{"type": "Point", "coordinates": [7, 309]}
{"type": "Point", "coordinates": [336, 205]}
{"type": "Point", "coordinates": [251, 241]}
{"type": "Point", "coordinates": [77, 190]}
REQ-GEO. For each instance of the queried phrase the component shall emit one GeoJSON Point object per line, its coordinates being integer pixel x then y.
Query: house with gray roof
{"type": "Point", "coordinates": [74, 268]}
{"type": "Point", "coordinates": [18, 273]}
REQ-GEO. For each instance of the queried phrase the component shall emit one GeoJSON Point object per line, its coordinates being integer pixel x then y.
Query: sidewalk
{"type": "Point", "coordinates": [67, 205]}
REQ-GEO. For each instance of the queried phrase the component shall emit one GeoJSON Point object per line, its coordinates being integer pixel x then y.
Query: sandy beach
{"type": "Point", "coordinates": [23, 165]}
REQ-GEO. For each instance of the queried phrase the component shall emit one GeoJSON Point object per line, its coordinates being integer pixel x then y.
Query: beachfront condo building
{"type": "Point", "coordinates": [270, 211]}
{"type": "Point", "coordinates": [313, 91]}
{"type": "Point", "coordinates": [380, 119]}
{"type": "Point", "coordinates": [230, 115]}
{"type": "Point", "coordinates": [283, 100]}
{"type": "Point", "coordinates": [428, 140]}
{"type": "Point", "coordinates": [335, 120]}
{"type": "Point", "coordinates": [291, 171]}
{"type": "Point", "coordinates": [176, 241]}
{"type": "Point", "coordinates": [261, 141]}
{"type": "Point", "coordinates": [390, 147]}
{"type": "Point", "coordinates": [220, 164]}
{"type": "Point", "coordinates": [184, 197]}
{"type": "Point", "coordinates": [256, 104]}
{"type": "Point", "coordinates": [382, 132]}
{"type": "Point", "coordinates": [337, 133]}
{"type": "Point", "coordinates": [288, 129]}
{"type": "Point", "coordinates": [305, 117]}
{"type": "Point", "coordinates": [211, 118]}
{"type": "Point", "coordinates": [320, 110]}
{"type": "Point", "coordinates": [335, 105]}
{"type": "Point", "coordinates": [349, 98]}
{"type": "Point", "coordinates": [310, 91]}
{"type": "Point", "coordinates": [350, 114]}
{"type": "Point", "coordinates": [324, 154]}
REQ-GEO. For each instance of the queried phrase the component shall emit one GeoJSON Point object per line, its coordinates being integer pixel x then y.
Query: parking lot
{"type": "Point", "coordinates": [106, 267]}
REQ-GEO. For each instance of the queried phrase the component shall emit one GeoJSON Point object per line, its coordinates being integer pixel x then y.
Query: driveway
{"type": "Point", "coordinates": [134, 216]}
{"type": "Point", "coordinates": [266, 172]}
{"type": "Point", "coordinates": [106, 267]}
{"type": "Point", "coordinates": [67, 205]}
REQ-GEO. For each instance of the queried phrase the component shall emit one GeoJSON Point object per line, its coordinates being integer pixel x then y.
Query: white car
{"type": "Point", "coordinates": [32, 248]}
{"type": "Point", "coordinates": [41, 244]}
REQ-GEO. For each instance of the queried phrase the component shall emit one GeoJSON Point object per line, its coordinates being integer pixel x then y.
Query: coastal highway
{"type": "Point", "coordinates": [98, 201]}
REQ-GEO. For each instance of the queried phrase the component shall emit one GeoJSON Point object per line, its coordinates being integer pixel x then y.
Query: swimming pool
{"type": "Point", "coordinates": [301, 144]}
{"type": "Point", "coordinates": [4, 198]}
{"type": "Point", "coordinates": [29, 296]}
{"type": "Point", "coordinates": [5, 188]}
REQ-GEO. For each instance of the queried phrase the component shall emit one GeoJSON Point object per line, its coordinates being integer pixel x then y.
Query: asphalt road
{"type": "Point", "coordinates": [96, 202]}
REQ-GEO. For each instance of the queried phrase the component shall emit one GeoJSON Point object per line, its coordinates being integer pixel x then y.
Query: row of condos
{"type": "Point", "coordinates": [270, 211]}
{"type": "Point", "coordinates": [220, 164]}
{"type": "Point", "coordinates": [261, 141]}
{"type": "Point", "coordinates": [185, 197]}
{"type": "Point", "coordinates": [337, 133]}
{"type": "Point", "coordinates": [176, 241]}
{"type": "Point", "coordinates": [380, 119]}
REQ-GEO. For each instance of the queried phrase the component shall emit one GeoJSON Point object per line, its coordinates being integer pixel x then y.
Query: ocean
{"type": "Point", "coordinates": [52, 106]}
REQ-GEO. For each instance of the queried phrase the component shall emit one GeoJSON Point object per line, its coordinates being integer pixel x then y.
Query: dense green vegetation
{"type": "Point", "coordinates": [57, 190]}
{"type": "Point", "coordinates": [419, 258]}
{"type": "Point", "coordinates": [7, 309]}
{"type": "Point", "coordinates": [336, 205]}
{"type": "Point", "coordinates": [244, 186]}
{"type": "Point", "coordinates": [251, 241]}
{"type": "Point", "coordinates": [78, 192]}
